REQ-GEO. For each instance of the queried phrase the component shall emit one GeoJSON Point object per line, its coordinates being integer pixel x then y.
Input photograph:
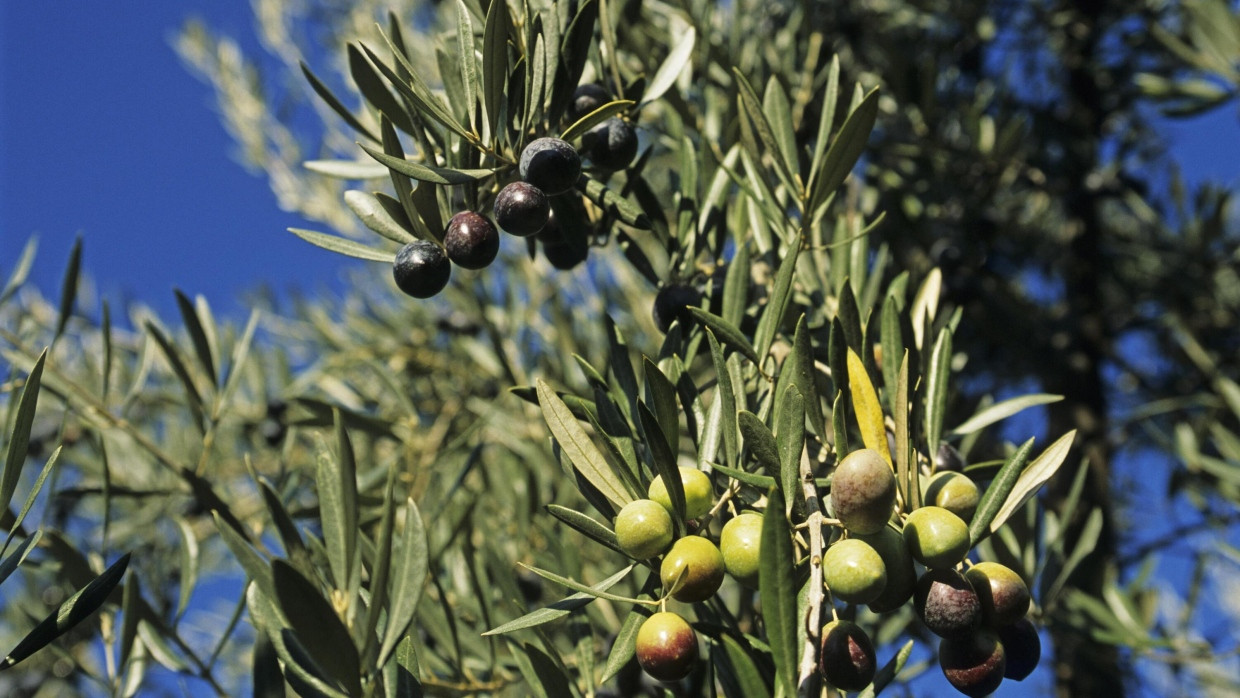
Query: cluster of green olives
{"type": "Point", "coordinates": [548, 167]}
{"type": "Point", "coordinates": [980, 613]}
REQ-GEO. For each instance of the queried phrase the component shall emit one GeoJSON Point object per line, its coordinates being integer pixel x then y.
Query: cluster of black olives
{"type": "Point", "coordinates": [980, 613]}
{"type": "Point", "coordinates": [548, 168]}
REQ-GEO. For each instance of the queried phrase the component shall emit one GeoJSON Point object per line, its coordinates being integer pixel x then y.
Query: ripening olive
{"type": "Point", "coordinates": [1003, 593]}
{"type": "Point", "coordinates": [643, 529]}
{"type": "Point", "coordinates": [863, 491]}
{"type": "Point", "coordinates": [947, 603]}
{"type": "Point", "coordinates": [705, 565]}
{"type": "Point", "coordinates": [740, 543]}
{"type": "Point", "coordinates": [936, 537]}
{"type": "Point", "coordinates": [667, 647]}
{"type": "Point", "coordinates": [847, 660]}
{"type": "Point", "coordinates": [854, 571]}
{"type": "Point", "coordinates": [973, 663]}
{"type": "Point", "coordinates": [954, 492]}
{"type": "Point", "coordinates": [699, 493]}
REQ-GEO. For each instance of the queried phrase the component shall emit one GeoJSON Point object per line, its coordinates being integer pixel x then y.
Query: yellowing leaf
{"type": "Point", "coordinates": [865, 405]}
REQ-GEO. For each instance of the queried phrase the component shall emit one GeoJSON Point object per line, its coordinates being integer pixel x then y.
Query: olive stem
{"type": "Point", "coordinates": [817, 597]}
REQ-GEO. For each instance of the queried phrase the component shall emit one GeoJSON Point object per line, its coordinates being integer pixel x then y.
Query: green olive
{"type": "Point", "coordinates": [954, 492]}
{"type": "Point", "coordinates": [936, 537]}
{"type": "Point", "coordinates": [643, 529]}
{"type": "Point", "coordinates": [740, 542]}
{"type": "Point", "coordinates": [699, 494]}
{"type": "Point", "coordinates": [854, 571]}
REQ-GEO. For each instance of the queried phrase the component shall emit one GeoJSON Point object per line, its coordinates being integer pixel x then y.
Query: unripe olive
{"type": "Point", "coordinates": [947, 603]}
{"type": "Point", "coordinates": [471, 240]}
{"type": "Point", "coordinates": [847, 660]}
{"type": "Point", "coordinates": [521, 209]}
{"type": "Point", "coordinates": [611, 145]}
{"type": "Point", "coordinates": [863, 491]}
{"type": "Point", "coordinates": [740, 543]}
{"type": "Point", "coordinates": [587, 98]}
{"type": "Point", "coordinates": [667, 647]}
{"type": "Point", "coordinates": [936, 537]}
{"type": "Point", "coordinates": [1023, 648]}
{"type": "Point", "coordinates": [550, 164]}
{"type": "Point", "coordinates": [854, 571]}
{"type": "Point", "coordinates": [705, 564]}
{"type": "Point", "coordinates": [901, 576]}
{"type": "Point", "coordinates": [672, 302]}
{"type": "Point", "coordinates": [421, 269]}
{"type": "Point", "coordinates": [643, 529]}
{"type": "Point", "coordinates": [954, 492]}
{"type": "Point", "coordinates": [699, 494]}
{"type": "Point", "coordinates": [973, 663]}
{"type": "Point", "coordinates": [1004, 595]}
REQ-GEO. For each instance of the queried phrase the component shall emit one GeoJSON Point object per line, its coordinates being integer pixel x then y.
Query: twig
{"type": "Point", "coordinates": [816, 598]}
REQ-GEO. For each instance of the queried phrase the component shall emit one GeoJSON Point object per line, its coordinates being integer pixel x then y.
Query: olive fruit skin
{"type": "Point", "coordinates": [550, 164]}
{"type": "Point", "coordinates": [1003, 593]}
{"type": "Point", "coordinates": [947, 603]}
{"type": "Point", "coordinates": [854, 571]}
{"type": "Point", "coordinates": [699, 493]}
{"type": "Point", "coordinates": [847, 660]}
{"type": "Point", "coordinates": [667, 647]}
{"type": "Point", "coordinates": [1023, 648]}
{"type": "Point", "coordinates": [901, 575]}
{"type": "Point", "coordinates": [611, 145]}
{"type": "Point", "coordinates": [672, 302]}
{"type": "Point", "coordinates": [740, 543]}
{"type": "Point", "coordinates": [521, 209]}
{"type": "Point", "coordinates": [471, 240]}
{"type": "Point", "coordinates": [863, 491]}
{"type": "Point", "coordinates": [705, 564]}
{"type": "Point", "coordinates": [421, 269]}
{"type": "Point", "coordinates": [587, 98]}
{"type": "Point", "coordinates": [954, 492]}
{"type": "Point", "coordinates": [566, 255]}
{"type": "Point", "coordinates": [643, 529]}
{"type": "Point", "coordinates": [936, 537]}
{"type": "Point", "coordinates": [974, 664]}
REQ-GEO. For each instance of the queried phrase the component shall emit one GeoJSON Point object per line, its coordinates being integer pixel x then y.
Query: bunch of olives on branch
{"type": "Point", "coordinates": [548, 167]}
{"type": "Point", "coordinates": [979, 613]}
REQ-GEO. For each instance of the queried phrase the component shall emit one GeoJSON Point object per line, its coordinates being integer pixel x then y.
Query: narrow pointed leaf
{"type": "Point", "coordinates": [670, 68]}
{"type": "Point", "coordinates": [197, 335]}
{"type": "Point", "coordinates": [791, 442]}
{"type": "Point", "coordinates": [371, 212]}
{"type": "Point", "coordinates": [1032, 478]}
{"type": "Point", "coordinates": [316, 626]}
{"type": "Point", "coordinates": [345, 247]}
{"type": "Point", "coordinates": [997, 492]}
{"type": "Point", "coordinates": [19, 439]}
{"type": "Point", "coordinates": [936, 388]}
{"type": "Point", "coordinates": [865, 405]}
{"type": "Point", "coordinates": [778, 592]}
{"type": "Point", "coordinates": [662, 397]}
{"type": "Point", "coordinates": [759, 441]}
{"type": "Point", "coordinates": [410, 565]}
{"type": "Point", "coordinates": [330, 99]}
{"type": "Point", "coordinates": [68, 287]}
{"type": "Point", "coordinates": [73, 611]}
{"type": "Point", "coordinates": [845, 150]}
{"type": "Point", "coordinates": [1003, 410]}
{"type": "Point", "coordinates": [559, 609]}
{"type": "Point", "coordinates": [583, 454]}
{"type": "Point", "coordinates": [781, 291]}
{"type": "Point", "coordinates": [426, 173]}
{"type": "Point", "coordinates": [726, 333]}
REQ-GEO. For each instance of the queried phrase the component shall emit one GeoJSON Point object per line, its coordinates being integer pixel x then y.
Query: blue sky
{"type": "Point", "coordinates": [104, 133]}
